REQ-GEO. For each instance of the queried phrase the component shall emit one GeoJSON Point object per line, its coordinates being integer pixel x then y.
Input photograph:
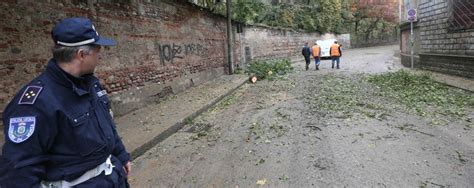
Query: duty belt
{"type": "Point", "coordinates": [106, 166]}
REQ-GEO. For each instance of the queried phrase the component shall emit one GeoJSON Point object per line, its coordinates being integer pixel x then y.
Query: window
{"type": "Point", "coordinates": [462, 15]}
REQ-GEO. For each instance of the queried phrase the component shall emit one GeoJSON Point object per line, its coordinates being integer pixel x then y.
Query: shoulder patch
{"type": "Point", "coordinates": [101, 93]}
{"type": "Point", "coordinates": [30, 94]}
{"type": "Point", "coordinates": [21, 128]}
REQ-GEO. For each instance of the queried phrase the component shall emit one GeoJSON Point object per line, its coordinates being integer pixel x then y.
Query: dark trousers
{"type": "Point", "coordinates": [337, 60]}
{"type": "Point", "coordinates": [308, 61]}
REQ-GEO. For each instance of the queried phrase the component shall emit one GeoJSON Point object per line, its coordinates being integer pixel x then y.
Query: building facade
{"type": "Point", "coordinates": [443, 36]}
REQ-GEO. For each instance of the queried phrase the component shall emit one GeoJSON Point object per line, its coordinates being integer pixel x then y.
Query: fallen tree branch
{"type": "Point", "coordinates": [408, 128]}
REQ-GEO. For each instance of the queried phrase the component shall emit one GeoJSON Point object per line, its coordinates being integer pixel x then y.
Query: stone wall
{"type": "Point", "coordinates": [375, 42]}
{"type": "Point", "coordinates": [259, 42]}
{"type": "Point", "coordinates": [163, 47]}
{"type": "Point", "coordinates": [449, 64]}
{"type": "Point", "coordinates": [434, 30]}
{"type": "Point", "coordinates": [441, 48]}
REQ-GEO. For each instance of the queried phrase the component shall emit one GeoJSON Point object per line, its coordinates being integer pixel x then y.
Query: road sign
{"type": "Point", "coordinates": [411, 18]}
{"type": "Point", "coordinates": [412, 15]}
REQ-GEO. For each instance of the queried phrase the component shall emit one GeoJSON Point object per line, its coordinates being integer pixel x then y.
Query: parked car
{"type": "Point", "coordinates": [325, 47]}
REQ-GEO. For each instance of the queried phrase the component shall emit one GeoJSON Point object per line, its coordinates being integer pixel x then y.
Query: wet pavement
{"type": "Point", "coordinates": [327, 128]}
{"type": "Point", "coordinates": [285, 133]}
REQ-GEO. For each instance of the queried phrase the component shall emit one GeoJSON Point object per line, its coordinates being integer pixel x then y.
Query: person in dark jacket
{"type": "Point", "coordinates": [306, 54]}
{"type": "Point", "coordinates": [59, 131]}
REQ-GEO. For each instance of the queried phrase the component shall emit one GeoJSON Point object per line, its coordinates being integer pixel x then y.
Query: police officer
{"type": "Point", "coordinates": [59, 130]}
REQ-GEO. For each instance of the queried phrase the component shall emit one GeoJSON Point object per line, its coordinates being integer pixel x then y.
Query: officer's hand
{"type": "Point", "coordinates": [128, 168]}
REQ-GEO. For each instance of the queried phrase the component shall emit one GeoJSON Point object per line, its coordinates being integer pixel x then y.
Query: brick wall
{"type": "Point", "coordinates": [161, 45]}
{"type": "Point", "coordinates": [163, 48]}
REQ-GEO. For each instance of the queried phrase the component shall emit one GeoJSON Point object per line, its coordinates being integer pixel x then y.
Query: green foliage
{"type": "Point", "coordinates": [259, 68]}
{"type": "Point", "coordinates": [282, 67]}
{"type": "Point", "coordinates": [323, 16]}
{"type": "Point", "coordinates": [420, 91]}
{"type": "Point", "coordinates": [247, 11]}
{"type": "Point", "coordinates": [344, 101]}
{"type": "Point", "coordinates": [338, 16]}
{"type": "Point", "coordinates": [269, 69]}
{"type": "Point", "coordinates": [210, 4]}
{"type": "Point", "coordinates": [309, 15]}
{"type": "Point", "coordinates": [306, 22]}
{"type": "Point", "coordinates": [372, 28]}
{"type": "Point", "coordinates": [189, 121]}
{"type": "Point", "coordinates": [238, 70]}
{"type": "Point", "coordinates": [329, 16]}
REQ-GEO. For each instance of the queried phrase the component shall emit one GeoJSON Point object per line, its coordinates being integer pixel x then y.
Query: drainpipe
{"type": "Point", "coordinates": [229, 37]}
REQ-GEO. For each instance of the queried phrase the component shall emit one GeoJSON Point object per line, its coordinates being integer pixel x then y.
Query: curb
{"type": "Point", "coordinates": [454, 86]}
{"type": "Point", "coordinates": [437, 78]}
{"type": "Point", "coordinates": [177, 126]}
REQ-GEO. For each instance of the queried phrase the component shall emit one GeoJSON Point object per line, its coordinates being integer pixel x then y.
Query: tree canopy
{"type": "Point", "coordinates": [364, 19]}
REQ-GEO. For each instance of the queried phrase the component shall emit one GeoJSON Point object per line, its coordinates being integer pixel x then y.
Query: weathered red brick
{"type": "Point", "coordinates": [11, 61]}
{"type": "Point", "coordinates": [47, 22]}
{"type": "Point", "coordinates": [9, 1]}
{"type": "Point", "coordinates": [139, 41]}
{"type": "Point", "coordinates": [9, 29]}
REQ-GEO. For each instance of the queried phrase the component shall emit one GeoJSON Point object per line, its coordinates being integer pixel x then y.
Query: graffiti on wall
{"type": "Point", "coordinates": [195, 49]}
{"type": "Point", "coordinates": [170, 52]}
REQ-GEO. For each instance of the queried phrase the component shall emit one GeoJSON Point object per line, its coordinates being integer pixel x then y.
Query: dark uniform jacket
{"type": "Point", "coordinates": [306, 52]}
{"type": "Point", "coordinates": [56, 128]}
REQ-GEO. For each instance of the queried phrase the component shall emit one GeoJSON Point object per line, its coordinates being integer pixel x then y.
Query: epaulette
{"type": "Point", "coordinates": [30, 95]}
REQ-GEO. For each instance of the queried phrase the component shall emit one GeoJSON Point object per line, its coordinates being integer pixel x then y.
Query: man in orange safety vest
{"type": "Point", "coordinates": [335, 53]}
{"type": "Point", "coordinates": [316, 51]}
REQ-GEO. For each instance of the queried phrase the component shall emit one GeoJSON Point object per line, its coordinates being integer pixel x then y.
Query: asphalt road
{"type": "Point", "coordinates": [302, 131]}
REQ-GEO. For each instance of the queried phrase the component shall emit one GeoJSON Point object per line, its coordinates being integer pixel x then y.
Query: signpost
{"type": "Point", "coordinates": [411, 18]}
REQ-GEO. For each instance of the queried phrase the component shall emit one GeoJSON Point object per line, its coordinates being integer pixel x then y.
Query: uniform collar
{"type": "Point", "coordinates": [65, 79]}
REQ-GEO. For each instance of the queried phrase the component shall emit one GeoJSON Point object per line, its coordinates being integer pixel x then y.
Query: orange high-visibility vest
{"type": "Point", "coordinates": [316, 49]}
{"type": "Point", "coordinates": [335, 50]}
